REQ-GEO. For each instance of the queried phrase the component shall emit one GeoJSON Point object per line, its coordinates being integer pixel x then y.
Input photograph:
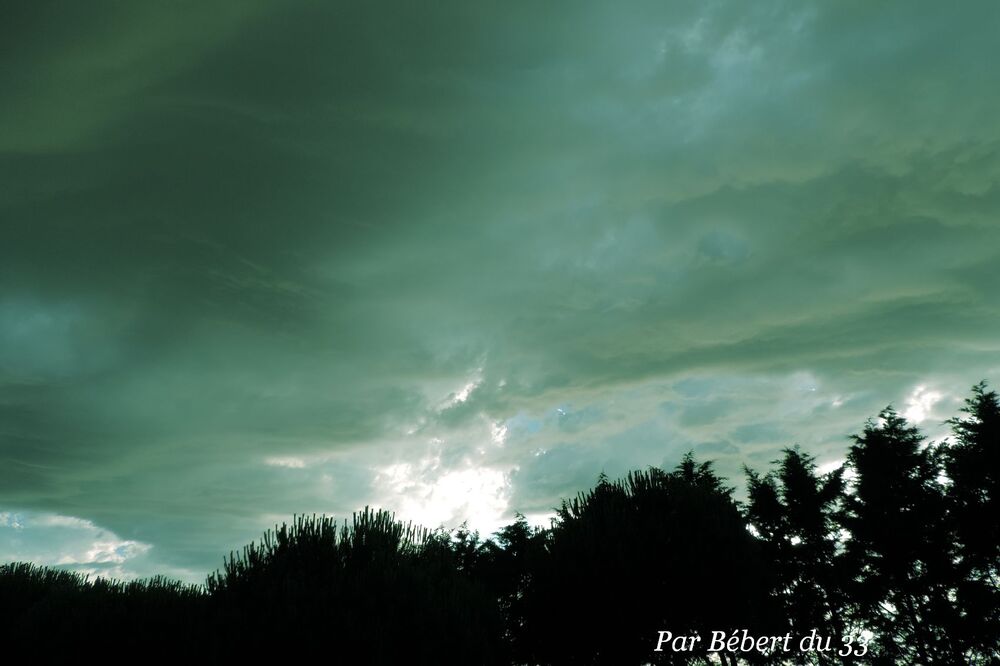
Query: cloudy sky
{"type": "Point", "coordinates": [455, 259]}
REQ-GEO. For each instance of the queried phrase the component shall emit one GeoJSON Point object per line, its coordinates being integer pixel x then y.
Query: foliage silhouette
{"type": "Point", "coordinates": [653, 551]}
{"type": "Point", "coordinates": [793, 511]}
{"type": "Point", "coordinates": [58, 612]}
{"type": "Point", "coordinates": [972, 465]}
{"type": "Point", "coordinates": [506, 565]}
{"type": "Point", "coordinates": [899, 558]}
{"type": "Point", "coordinates": [378, 587]}
{"type": "Point", "coordinates": [902, 542]}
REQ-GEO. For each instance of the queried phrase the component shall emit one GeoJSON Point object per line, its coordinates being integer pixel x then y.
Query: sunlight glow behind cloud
{"type": "Point", "coordinates": [920, 404]}
{"type": "Point", "coordinates": [426, 494]}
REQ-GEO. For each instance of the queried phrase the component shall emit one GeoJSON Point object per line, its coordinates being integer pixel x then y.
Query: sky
{"type": "Point", "coordinates": [455, 259]}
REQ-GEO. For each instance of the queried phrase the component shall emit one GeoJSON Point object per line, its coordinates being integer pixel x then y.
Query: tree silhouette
{"type": "Point", "coordinates": [903, 542]}
{"type": "Point", "coordinates": [898, 556]}
{"type": "Point", "coordinates": [505, 566]}
{"type": "Point", "coordinates": [61, 614]}
{"type": "Point", "coordinates": [379, 587]}
{"type": "Point", "coordinates": [972, 465]}
{"type": "Point", "coordinates": [792, 510]}
{"type": "Point", "coordinates": [653, 551]}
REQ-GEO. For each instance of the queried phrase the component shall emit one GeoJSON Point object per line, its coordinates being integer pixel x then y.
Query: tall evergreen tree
{"type": "Point", "coordinates": [972, 465]}
{"type": "Point", "coordinates": [898, 553]}
{"type": "Point", "coordinates": [654, 551]}
{"type": "Point", "coordinates": [792, 511]}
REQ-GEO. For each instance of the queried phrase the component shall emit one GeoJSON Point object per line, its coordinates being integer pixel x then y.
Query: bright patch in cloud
{"type": "Point", "coordinates": [920, 403]}
{"type": "Point", "coordinates": [463, 394]}
{"type": "Point", "coordinates": [428, 495]}
{"type": "Point", "coordinates": [498, 432]}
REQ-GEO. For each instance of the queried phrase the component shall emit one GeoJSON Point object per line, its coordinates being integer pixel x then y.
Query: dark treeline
{"type": "Point", "coordinates": [900, 545]}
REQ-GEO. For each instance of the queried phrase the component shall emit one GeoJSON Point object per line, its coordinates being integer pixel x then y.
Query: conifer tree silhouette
{"type": "Point", "coordinates": [972, 466]}
{"type": "Point", "coordinates": [652, 551]}
{"type": "Point", "coordinates": [899, 560]}
{"type": "Point", "coordinates": [793, 512]}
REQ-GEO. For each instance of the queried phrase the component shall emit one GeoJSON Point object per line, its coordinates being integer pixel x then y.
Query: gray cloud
{"type": "Point", "coordinates": [266, 258]}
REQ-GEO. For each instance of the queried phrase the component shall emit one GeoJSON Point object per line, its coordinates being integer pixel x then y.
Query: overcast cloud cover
{"type": "Point", "coordinates": [457, 258]}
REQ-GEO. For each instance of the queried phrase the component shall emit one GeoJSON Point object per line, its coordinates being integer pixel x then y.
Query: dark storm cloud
{"type": "Point", "coordinates": [260, 258]}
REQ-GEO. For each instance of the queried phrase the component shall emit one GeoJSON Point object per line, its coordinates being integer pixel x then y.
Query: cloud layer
{"type": "Point", "coordinates": [266, 258]}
